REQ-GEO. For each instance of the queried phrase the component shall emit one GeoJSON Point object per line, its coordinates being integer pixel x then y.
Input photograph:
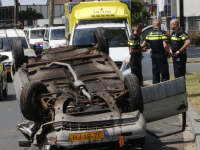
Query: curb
{"type": "Point", "coordinates": [194, 120]}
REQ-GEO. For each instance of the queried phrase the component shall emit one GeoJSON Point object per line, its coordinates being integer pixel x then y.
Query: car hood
{"type": "Point", "coordinates": [33, 41]}
{"type": "Point", "coordinates": [119, 53]}
{"type": "Point", "coordinates": [57, 43]}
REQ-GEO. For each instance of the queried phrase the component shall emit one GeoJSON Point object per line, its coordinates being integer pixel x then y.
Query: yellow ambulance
{"type": "Point", "coordinates": [96, 11]}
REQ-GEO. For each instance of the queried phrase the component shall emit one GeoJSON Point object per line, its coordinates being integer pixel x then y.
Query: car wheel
{"type": "Point", "coordinates": [17, 53]}
{"type": "Point", "coordinates": [1, 92]}
{"type": "Point", "coordinates": [101, 40]}
{"type": "Point", "coordinates": [30, 103]}
{"type": "Point", "coordinates": [135, 93]}
{"type": "Point", "coordinates": [5, 91]}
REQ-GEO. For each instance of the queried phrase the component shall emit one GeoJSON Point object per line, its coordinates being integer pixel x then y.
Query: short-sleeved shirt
{"type": "Point", "coordinates": [155, 38]}
{"type": "Point", "coordinates": [178, 39]}
{"type": "Point", "coordinates": [134, 42]}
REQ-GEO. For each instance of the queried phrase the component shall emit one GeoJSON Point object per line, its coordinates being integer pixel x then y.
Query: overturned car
{"type": "Point", "coordinates": [76, 96]}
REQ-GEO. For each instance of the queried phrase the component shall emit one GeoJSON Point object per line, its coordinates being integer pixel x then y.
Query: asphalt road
{"type": "Point", "coordinates": [10, 117]}
{"type": "Point", "coordinates": [193, 52]}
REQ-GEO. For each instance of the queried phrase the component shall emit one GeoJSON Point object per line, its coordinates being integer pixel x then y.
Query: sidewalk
{"type": "Point", "coordinates": [194, 120]}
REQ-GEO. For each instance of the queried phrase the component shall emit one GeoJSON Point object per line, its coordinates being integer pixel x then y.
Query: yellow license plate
{"type": "Point", "coordinates": [86, 136]}
{"type": "Point", "coordinates": [8, 69]}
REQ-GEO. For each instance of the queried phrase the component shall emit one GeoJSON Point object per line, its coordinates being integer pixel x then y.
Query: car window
{"type": "Point", "coordinates": [57, 34]}
{"type": "Point", "coordinates": [145, 33]}
{"type": "Point", "coordinates": [117, 37]}
{"type": "Point", "coordinates": [83, 36]}
{"type": "Point", "coordinates": [5, 43]}
{"type": "Point", "coordinates": [37, 34]}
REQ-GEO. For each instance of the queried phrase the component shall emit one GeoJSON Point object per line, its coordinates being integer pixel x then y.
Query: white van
{"type": "Point", "coordinates": [54, 37]}
{"type": "Point", "coordinates": [6, 36]}
{"type": "Point", "coordinates": [35, 36]}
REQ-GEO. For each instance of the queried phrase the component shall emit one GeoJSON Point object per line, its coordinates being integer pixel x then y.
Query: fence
{"type": "Point", "coordinates": [7, 13]}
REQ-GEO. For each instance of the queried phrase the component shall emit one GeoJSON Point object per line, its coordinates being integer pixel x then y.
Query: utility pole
{"type": "Point", "coordinates": [15, 11]}
{"type": "Point", "coordinates": [51, 13]}
{"type": "Point", "coordinates": [181, 15]}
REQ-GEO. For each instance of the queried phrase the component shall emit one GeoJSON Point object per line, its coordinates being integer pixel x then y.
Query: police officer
{"type": "Point", "coordinates": [160, 52]}
{"type": "Point", "coordinates": [136, 52]}
{"type": "Point", "coordinates": [179, 42]}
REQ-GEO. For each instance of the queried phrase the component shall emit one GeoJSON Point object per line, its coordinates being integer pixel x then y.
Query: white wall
{"type": "Point", "coordinates": [191, 8]}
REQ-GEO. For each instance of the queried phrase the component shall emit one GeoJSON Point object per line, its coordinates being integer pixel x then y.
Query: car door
{"type": "Point", "coordinates": [165, 99]}
{"type": "Point", "coordinates": [46, 39]}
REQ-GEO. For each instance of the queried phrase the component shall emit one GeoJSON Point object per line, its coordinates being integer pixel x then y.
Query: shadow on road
{"type": "Point", "coordinates": [11, 97]}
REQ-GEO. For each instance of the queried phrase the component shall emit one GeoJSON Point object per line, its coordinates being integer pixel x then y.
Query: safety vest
{"type": "Point", "coordinates": [155, 38]}
{"type": "Point", "coordinates": [178, 39]}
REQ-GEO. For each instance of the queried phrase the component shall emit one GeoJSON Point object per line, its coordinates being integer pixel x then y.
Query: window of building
{"type": "Point", "coordinates": [167, 9]}
{"type": "Point", "coordinates": [194, 23]}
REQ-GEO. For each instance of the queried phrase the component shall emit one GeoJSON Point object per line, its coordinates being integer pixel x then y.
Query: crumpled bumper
{"type": "Point", "coordinates": [129, 125]}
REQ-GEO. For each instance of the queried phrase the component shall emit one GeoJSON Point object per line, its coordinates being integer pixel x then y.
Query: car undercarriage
{"type": "Point", "coordinates": [76, 96]}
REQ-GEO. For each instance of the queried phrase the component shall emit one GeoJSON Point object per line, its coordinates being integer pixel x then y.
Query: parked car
{"type": "Point", "coordinates": [76, 96]}
{"type": "Point", "coordinates": [7, 34]}
{"type": "Point", "coordinates": [35, 36]}
{"type": "Point", "coordinates": [3, 77]}
{"type": "Point", "coordinates": [54, 37]}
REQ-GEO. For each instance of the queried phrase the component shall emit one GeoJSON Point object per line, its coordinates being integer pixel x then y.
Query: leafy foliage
{"type": "Point", "coordinates": [30, 14]}
{"type": "Point", "coordinates": [195, 40]}
{"type": "Point", "coordinates": [138, 12]}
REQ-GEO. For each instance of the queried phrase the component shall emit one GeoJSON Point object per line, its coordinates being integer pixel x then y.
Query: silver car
{"type": "Point", "coordinates": [75, 97]}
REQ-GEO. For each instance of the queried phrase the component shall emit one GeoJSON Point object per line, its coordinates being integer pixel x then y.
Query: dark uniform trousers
{"type": "Point", "coordinates": [160, 67]}
{"type": "Point", "coordinates": [179, 64]}
{"type": "Point", "coordinates": [136, 67]}
{"type": "Point", "coordinates": [135, 60]}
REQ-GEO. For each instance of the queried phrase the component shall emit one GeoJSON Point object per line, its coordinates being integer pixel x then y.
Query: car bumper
{"type": "Point", "coordinates": [129, 125]}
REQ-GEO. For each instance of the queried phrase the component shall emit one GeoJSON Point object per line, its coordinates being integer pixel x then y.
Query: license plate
{"type": "Point", "coordinates": [8, 69]}
{"type": "Point", "coordinates": [87, 136]}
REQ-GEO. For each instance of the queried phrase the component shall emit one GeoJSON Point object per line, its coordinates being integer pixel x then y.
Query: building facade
{"type": "Point", "coordinates": [171, 8]}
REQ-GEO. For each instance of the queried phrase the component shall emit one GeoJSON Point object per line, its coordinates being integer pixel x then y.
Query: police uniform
{"type": "Point", "coordinates": [158, 54]}
{"type": "Point", "coordinates": [135, 60]}
{"type": "Point", "coordinates": [178, 39]}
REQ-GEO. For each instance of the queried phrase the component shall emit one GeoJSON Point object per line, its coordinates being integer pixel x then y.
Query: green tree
{"type": "Point", "coordinates": [30, 14]}
{"type": "Point", "coordinates": [138, 12]}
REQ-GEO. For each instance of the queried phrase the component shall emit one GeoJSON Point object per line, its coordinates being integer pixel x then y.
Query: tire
{"type": "Point", "coordinates": [17, 53]}
{"type": "Point", "coordinates": [30, 103]}
{"type": "Point", "coordinates": [135, 93]}
{"type": "Point", "coordinates": [101, 39]}
{"type": "Point", "coordinates": [5, 91]}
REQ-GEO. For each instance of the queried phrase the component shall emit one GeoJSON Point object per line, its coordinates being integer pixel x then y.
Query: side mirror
{"type": "Point", "coordinates": [45, 39]}
{"type": "Point", "coordinates": [4, 57]}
